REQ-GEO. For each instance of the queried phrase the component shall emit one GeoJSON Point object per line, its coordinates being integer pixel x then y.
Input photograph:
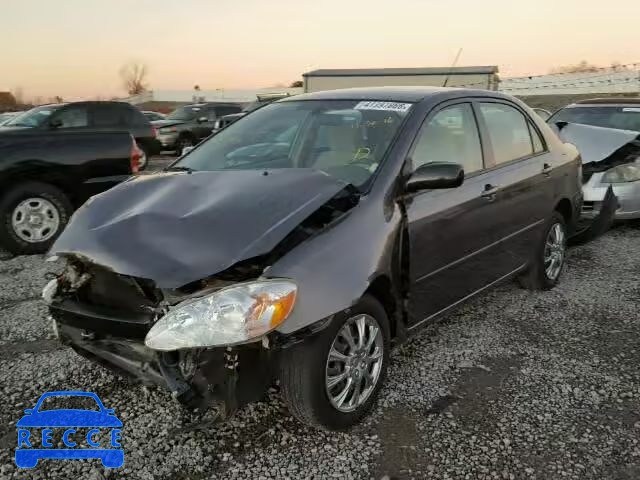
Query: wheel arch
{"type": "Point", "coordinates": [565, 208]}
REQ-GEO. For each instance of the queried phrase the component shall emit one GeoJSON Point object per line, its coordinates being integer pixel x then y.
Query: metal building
{"type": "Point", "coordinates": [484, 77]}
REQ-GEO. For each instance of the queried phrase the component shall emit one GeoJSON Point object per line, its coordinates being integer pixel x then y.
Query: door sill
{"type": "Point", "coordinates": [464, 299]}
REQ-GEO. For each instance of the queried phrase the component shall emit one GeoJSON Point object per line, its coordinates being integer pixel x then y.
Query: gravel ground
{"type": "Point", "coordinates": [513, 385]}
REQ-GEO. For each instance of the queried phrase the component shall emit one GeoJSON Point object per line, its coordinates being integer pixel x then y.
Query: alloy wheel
{"type": "Point", "coordinates": [554, 251]}
{"type": "Point", "coordinates": [354, 363]}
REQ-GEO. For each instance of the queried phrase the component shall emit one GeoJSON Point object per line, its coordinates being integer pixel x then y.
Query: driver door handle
{"type": "Point", "coordinates": [546, 169]}
{"type": "Point", "coordinates": [489, 192]}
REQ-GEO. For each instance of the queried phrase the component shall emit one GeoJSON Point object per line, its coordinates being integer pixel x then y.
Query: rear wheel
{"type": "Point", "coordinates": [549, 256]}
{"type": "Point", "coordinates": [332, 379]}
{"type": "Point", "coordinates": [143, 161]}
{"type": "Point", "coordinates": [32, 215]}
{"type": "Point", "coordinates": [183, 142]}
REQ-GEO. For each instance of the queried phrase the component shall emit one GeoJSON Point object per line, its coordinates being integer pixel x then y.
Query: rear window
{"type": "Point", "coordinates": [625, 118]}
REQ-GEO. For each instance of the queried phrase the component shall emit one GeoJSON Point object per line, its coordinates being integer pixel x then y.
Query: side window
{"type": "Point", "coordinates": [72, 117]}
{"type": "Point", "coordinates": [451, 135]}
{"type": "Point", "coordinates": [538, 144]}
{"type": "Point", "coordinates": [109, 116]}
{"type": "Point", "coordinates": [508, 132]}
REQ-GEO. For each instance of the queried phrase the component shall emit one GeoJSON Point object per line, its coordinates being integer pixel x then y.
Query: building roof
{"type": "Point", "coordinates": [610, 101]}
{"type": "Point", "coordinates": [391, 94]}
{"type": "Point", "coordinates": [382, 72]}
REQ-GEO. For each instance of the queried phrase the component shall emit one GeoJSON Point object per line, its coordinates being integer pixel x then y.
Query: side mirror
{"type": "Point", "coordinates": [186, 150]}
{"type": "Point", "coordinates": [55, 123]}
{"type": "Point", "coordinates": [29, 411]}
{"type": "Point", "coordinates": [202, 119]}
{"type": "Point", "coordinates": [435, 175]}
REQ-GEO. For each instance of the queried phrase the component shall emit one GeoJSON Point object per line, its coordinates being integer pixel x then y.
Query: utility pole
{"type": "Point", "coordinates": [455, 61]}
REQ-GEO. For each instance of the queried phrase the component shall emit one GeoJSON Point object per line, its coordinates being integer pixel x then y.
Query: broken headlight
{"type": "Point", "coordinates": [236, 314]}
{"type": "Point", "coordinates": [622, 174]}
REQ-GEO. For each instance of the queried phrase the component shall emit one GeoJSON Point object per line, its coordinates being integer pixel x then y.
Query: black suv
{"type": "Point", "coordinates": [186, 126]}
{"type": "Point", "coordinates": [96, 116]}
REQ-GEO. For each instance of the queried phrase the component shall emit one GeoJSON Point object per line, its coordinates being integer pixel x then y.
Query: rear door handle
{"type": "Point", "coordinates": [546, 169]}
{"type": "Point", "coordinates": [489, 192]}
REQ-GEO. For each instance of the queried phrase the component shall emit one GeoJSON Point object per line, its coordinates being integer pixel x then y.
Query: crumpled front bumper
{"type": "Point", "coordinates": [196, 378]}
{"type": "Point", "coordinates": [628, 195]}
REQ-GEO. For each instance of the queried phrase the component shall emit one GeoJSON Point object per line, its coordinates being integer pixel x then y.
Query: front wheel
{"type": "Point", "coordinates": [332, 379]}
{"type": "Point", "coordinates": [32, 215]}
{"type": "Point", "coordinates": [548, 257]}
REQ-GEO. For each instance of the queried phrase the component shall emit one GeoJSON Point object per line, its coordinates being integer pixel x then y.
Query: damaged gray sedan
{"type": "Point", "coordinates": [297, 245]}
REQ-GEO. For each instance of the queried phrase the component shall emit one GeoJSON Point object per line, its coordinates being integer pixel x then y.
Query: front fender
{"type": "Point", "coordinates": [335, 267]}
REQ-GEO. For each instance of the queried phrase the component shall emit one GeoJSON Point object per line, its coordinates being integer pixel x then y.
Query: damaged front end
{"type": "Point", "coordinates": [603, 152]}
{"type": "Point", "coordinates": [210, 340]}
{"type": "Point", "coordinates": [106, 317]}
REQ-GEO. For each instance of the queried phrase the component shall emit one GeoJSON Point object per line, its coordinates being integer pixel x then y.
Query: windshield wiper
{"type": "Point", "coordinates": [178, 168]}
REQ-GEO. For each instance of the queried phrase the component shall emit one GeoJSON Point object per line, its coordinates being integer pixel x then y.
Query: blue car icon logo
{"type": "Point", "coordinates": [103, 431]}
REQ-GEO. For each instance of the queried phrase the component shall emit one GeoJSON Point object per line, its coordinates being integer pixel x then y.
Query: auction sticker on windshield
{"type": "Point", "coordinates": [89, 432]}
{"type": "Point", "coordinates": [386, 106]}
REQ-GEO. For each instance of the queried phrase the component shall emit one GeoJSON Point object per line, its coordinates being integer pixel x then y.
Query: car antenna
{"type": "Point", "coordinates": [455, 61]}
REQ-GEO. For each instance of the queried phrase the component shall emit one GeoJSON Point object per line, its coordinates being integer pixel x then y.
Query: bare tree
{"type": "Point", "coordinates": [618, 67]}
{"type": "Point", "coordinates": [134, 77]}
{"type": "Point", "coordinates": [582, 67]}
{"type": "Point", "coordinates": [296, 84]}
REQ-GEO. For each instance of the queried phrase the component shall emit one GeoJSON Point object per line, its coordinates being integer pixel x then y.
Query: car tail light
{"type": "Point", "coordinates": [136, 155]}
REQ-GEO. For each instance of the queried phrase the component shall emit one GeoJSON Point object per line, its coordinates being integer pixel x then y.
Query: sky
{"type": "Point", "coordinates": [75, 48]}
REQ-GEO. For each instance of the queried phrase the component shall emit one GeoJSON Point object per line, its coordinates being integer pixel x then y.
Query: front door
{"type": "Point", "coordinates": [450, 230]}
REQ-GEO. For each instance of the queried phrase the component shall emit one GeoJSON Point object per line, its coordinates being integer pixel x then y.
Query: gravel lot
{"type": "Point", "coordinates": [513, 385]}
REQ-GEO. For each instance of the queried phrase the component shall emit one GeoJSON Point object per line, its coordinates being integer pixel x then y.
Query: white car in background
{"type": "Point", "coordinates": [606, 131]}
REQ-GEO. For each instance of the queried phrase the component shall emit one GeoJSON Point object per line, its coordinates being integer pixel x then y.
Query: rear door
{"type": "Point", "coordinates": [520, 168]}
{"type": "Point", "coordinates": [451, 231]}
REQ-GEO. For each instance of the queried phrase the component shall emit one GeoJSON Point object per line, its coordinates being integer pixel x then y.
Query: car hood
{"type": "Point", "coordinates": [167, 123]}
{"type": "Point", "coordinates": [176, 228]}
{"type": "Point", "coordinates": [69, 418]}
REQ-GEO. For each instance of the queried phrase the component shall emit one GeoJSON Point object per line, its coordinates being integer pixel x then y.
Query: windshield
{"type": "Point", "coordinates": [624, 118]}
{"type": "Point", "coordinates": [34, 117]}
{"type": "Point", "coordinates": [185, 113]}
{"type": "Point", "coordinates": [344, 138]}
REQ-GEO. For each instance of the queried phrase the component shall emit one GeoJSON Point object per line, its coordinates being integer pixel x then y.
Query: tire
{"type": "Point", "coordinates": [304, 370]}
{"type": "Point", "coordinates": [536, 277]}
{"type": "Point", "coordinates": [182, 142]}
{"type": "Point", "coordinates": [51, 198]}
{"type": "Point", "coordinates": [144, 160]}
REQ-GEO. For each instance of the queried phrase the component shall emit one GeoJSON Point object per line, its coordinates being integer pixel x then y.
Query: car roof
{"type": "Point", "coordinates": [609, 101]}
{"type": "Point", "coordinates": [395, 94]}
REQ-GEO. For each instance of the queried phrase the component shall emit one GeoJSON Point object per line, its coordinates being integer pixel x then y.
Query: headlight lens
{"type": "Point", "coordinates": [232, 315]}
{"type": "Point", "coordinates": [622, 174]}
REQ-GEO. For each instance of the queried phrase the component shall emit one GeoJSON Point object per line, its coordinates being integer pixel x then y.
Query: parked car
{"type": "Point", "coordinates": [153, 116]}
{"type": "Point", "coordinates": [188, 125]}
{"type": "Point", "coordinates": [5, 117]}
{"type": "Point", "coordinates": [616, 162]}
{"type": "Point", "coordinates": [305, 239]}
{"type": "Point", "coordinates": [45, 175]}
{"type": "Point", "coordinates": [95, 116]}
{"type": "Point", "coordinates": [261, 101]}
